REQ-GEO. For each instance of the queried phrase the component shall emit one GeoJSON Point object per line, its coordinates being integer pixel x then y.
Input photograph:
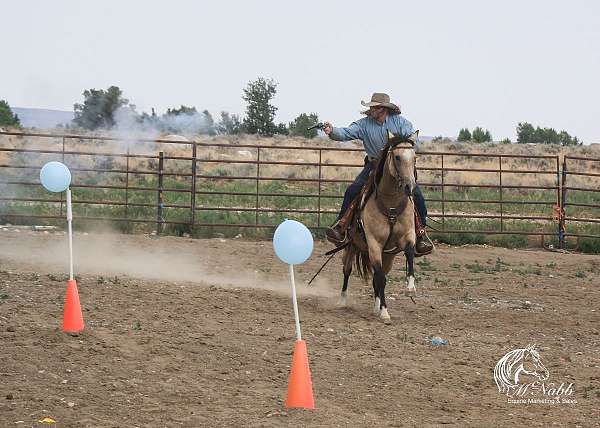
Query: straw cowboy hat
{"type": "Point", "coordinates": [379, 99]}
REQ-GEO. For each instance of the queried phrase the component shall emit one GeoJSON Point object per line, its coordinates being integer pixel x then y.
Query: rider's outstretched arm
{"type": "Point", "coordinates": [352, 132]}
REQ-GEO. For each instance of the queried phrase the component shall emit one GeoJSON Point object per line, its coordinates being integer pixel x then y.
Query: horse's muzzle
{"type": "Point", "coordinates": [407, 187]}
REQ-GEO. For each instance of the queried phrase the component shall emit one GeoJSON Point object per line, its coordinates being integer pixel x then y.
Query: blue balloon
{"type": "Point", "coordinates": [55, 177]}
{"type": "Point", "coordinates": [293, 242]}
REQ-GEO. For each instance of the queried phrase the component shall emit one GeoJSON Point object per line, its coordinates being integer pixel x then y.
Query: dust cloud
{"type": "Point", "coordinates": [208, 262]}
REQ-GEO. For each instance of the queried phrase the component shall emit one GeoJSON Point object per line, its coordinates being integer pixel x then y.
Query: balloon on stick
{"type": "Point", "coordinates": [293, 244]}
{"type": "Point", "coordinates": [56, 177]}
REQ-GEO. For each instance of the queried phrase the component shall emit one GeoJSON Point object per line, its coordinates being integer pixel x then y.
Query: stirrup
{"type": "Point", "coordinates": [336, 242]}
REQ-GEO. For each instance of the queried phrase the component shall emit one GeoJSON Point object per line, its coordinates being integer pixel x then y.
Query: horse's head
{"type": "Point", "coordinates": [532, 364]}
{"type": "Point", "coordinates": [401, 161]}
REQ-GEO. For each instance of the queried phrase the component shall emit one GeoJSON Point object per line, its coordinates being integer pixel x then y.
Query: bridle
{"type": "Point", "coordinates": [395, 162]}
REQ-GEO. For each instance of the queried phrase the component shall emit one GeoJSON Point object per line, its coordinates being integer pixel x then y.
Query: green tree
{"type": "Point", "coordinates": [545, 136]}
{"type": "Point", "coordinates": [229, 124]}
{"type": "Point", "coordinates": [464, 135]}
{"type": "Point", "coordinates": [260, 113]}
{"type": "Point", "coordinates": [98, 108]}
{"type": "Point", "coordinates": [209, 123]}
{"type": "Point", "coordinates": [187, 120]}
{"type": "Point", "coordinates": [298, 127]}
{"type": "Point", "coordinates": [505, 141]}
{"type": "Point", "coordinates": [7, 117]}
{"type": "Point", "coordinates": [566, 140]}
{"type": "Point", "coordinates": [282, 129]}
{"type": "Point", "coordinates": [525, 133]}
{"type": "Point", "coordinates": [190, 111]}
{"type": "Point", "coordinates": [481, 136]}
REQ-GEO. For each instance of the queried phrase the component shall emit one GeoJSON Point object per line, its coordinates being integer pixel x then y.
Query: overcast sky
{"type": "Point", "coordinates": [449, 64]}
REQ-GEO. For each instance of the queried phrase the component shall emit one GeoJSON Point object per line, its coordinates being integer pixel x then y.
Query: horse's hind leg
{"type": "Point", "coordinates": [409, 252]}
{"type": "Point", "coordinates": [347, 269]}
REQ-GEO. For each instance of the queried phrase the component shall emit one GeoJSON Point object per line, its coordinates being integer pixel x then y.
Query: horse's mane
{"type": "Point", "coordinates": [381, 162]}
{"type": "Point", "coordinates": [392, 142]}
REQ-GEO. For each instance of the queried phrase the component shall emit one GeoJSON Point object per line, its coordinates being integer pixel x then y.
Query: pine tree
{"type": "Point", "coordinates": [481, 136]}
{"type": "Point", "coordinates": [7, 117]}
{"type": "Point", "coordinates": [464, 135]}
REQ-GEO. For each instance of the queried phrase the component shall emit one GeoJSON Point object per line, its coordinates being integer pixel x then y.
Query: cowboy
{"type": "Point", "coordinates": [381, 117]}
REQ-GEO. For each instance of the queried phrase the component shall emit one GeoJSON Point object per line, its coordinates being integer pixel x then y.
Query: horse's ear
{"type": "Point", "coordinates": [414, 137]}
{"type": "Point", "coordinates": [396, 139]}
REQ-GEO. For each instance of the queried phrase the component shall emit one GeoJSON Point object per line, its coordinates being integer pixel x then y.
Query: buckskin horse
{"type": "Point", "coordinates": [384, 222]}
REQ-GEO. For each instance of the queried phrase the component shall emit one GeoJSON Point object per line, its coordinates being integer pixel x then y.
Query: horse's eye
{"type": "Point", "coordinates": [397, 157]}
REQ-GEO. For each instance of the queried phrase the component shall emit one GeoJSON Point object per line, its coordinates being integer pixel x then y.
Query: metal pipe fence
{"type": "Point", "coordinates": [186, 177]}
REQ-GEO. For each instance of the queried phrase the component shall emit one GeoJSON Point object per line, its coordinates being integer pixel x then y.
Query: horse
{"type": "Point", "coordinates": [384, 223]}
{"type": "Point", "coordinates": [517, 362]}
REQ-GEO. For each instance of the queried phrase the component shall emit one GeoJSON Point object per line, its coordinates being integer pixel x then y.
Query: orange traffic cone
{"type": "Point", "coordinates": [300, 393]}
{"type": "Point", "coordinates": [73, 319]}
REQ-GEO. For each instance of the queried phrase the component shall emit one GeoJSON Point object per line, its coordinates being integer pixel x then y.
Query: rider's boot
{"type": "Point", "coordinates": [423, 245]}
{"type": "Point", "coordinates": [336, 234]}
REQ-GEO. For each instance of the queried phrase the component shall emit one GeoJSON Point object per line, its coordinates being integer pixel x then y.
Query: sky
{"type": "Point", "coordinates": [449, 64]}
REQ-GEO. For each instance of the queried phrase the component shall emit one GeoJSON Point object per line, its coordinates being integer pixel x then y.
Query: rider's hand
{"type": "Point", "coordinates": [328, 128]}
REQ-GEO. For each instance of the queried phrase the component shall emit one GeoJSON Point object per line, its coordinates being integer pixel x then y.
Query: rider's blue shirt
{"type": "Point", "coordinates": [373, 135]}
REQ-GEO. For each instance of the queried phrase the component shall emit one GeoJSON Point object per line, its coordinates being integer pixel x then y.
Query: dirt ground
{"type": "Point", "coordinates": [194, 333]}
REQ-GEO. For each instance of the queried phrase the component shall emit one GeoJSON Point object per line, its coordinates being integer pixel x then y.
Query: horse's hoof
{"type": "Point", "coordinates": [385, 316]}
{"type": "Point", "coordinates": [410, 292]}
{"type": "Point", "coordinates": [377, 307]}
{"type": "Point", "coordinates": [343, 300]}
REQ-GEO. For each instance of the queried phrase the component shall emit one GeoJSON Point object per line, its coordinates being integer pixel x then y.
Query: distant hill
{"type": "Point", "coordinates": [41, 117]}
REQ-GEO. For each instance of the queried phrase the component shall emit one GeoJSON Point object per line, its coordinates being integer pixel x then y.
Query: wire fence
{"type": "Point", "coordinates": [201, 188]}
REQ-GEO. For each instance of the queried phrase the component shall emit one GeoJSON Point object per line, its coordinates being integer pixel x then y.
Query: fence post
{"type": "Point", "coordinates": [319, 192]}
{"type": "Point", "coordinates": [63, 161]}
{"type": "Point", "coordinates": [501, 204]}
{"type": "Point", "coordinates": [159, 212]}
{"type": "Point", "coordinates": [257, 189]}
{"type": "Point", "coordinates": [443, 197]}
{"type": "Point", "coordinates": [562, 203]}
{"type": "Point", "coordinates": [127, 188]}
{"type": "Point", "coordinates": [193, 196]}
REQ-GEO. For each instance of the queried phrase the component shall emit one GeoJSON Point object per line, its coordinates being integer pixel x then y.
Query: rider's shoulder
{"type": "Point", "coordinates": [399, 121]}
{"type": "Point", "coordinates": [363, 121]}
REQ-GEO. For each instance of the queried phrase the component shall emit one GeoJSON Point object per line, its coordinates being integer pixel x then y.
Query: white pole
{"type": "Point", "coordinates": [295, 302]}
{"type": "Point", "coordinates": [69, 221]}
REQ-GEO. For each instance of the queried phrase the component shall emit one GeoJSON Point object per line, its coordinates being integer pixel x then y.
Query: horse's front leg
{"type": "Point", "coordinates": [374, 243]}
{"type": "Point", "coordinates": [409, 252]}
{"type": "Point", "coordinates": [379, 282]}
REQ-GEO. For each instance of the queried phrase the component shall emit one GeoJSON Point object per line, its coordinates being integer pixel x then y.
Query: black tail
{"type": "Point", "coordinates": [363, 264]}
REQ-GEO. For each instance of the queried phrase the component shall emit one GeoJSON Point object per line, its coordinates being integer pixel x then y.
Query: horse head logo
{"type": "Point", "coordinates": [517, 363]}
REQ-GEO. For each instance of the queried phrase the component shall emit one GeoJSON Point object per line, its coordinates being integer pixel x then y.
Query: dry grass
{"type": "Point", "coordinates": [458, 156]}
